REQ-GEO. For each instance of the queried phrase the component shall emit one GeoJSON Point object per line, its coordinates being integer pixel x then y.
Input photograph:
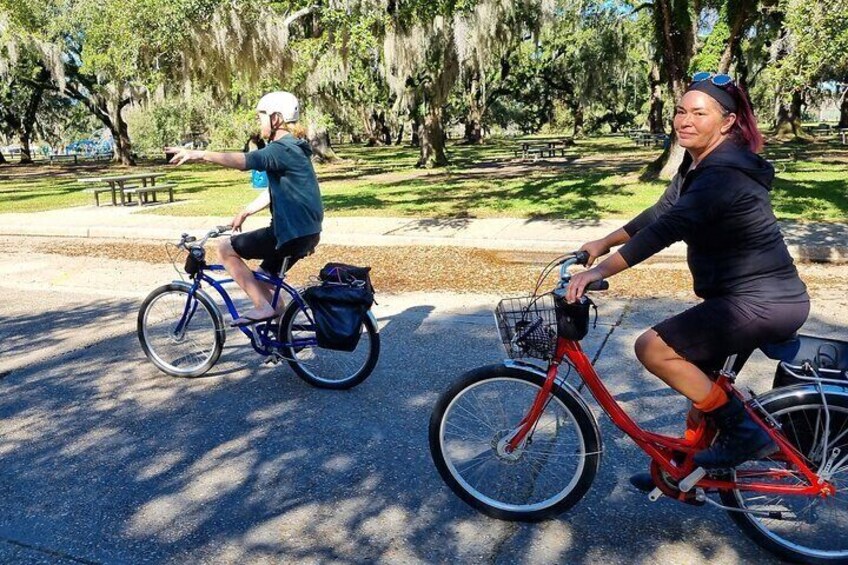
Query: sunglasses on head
{"type": "Point", "coordinates": [718, 80]}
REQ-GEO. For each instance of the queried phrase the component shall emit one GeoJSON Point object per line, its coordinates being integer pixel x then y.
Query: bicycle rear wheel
{"type": "Point", "coordinates": [182, 334]}
{"type": "Point", "coordinates": [539, 480]}
{"type": "Point", "coordinates": [798, 528]}
{"type": "Point", "coordinates": [326, 368]}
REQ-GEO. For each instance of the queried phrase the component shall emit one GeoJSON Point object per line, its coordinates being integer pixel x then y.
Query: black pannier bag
{"type": "Point", "coordinates": [346, 274]}
{"type": "Point", "coordinates": [828, 356]}
{"type": "Point", "coordinates": [339, 305]}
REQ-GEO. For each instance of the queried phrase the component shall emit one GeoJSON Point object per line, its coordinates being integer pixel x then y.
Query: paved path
{"type": "Point", "coordinates": [810, 241]}
{"type": "Point", "coordinates": [105, 460]}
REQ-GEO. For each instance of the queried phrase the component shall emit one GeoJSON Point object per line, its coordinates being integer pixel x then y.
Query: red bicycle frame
{"type": "Point", "coordinates": [661, 448]}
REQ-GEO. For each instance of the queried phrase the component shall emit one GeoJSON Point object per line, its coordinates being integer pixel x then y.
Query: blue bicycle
{"type": "Point", "coordinates": [182, 330]}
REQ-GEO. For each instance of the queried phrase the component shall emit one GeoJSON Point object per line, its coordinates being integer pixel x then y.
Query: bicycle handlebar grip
{"type": "Point", "coordinates": [582, 257]}
{"type": "Point", "coordinates": [222, 229]}
{"type": "Point", "coordinates": [598, 285]}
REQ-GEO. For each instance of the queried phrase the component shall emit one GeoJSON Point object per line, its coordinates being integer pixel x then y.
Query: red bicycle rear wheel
{"type": "Point", "coordinates": [798, 528]}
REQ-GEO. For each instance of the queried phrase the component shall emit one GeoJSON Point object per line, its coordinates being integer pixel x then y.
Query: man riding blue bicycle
{"type": "Point", "coordinates": [293, 195]}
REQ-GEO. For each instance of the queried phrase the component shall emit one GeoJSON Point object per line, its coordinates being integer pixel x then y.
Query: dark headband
{"type": "Point", "coordinates": [720, 95]}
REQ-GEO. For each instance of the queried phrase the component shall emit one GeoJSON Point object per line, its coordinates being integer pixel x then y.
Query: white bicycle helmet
{"type": "Point", "coordinates": [283, 103]}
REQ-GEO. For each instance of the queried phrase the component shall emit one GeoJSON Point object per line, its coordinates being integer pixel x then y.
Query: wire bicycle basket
{"type": "Point", "coordinates": [528, 326]}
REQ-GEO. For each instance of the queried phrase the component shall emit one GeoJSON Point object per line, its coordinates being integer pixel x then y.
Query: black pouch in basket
{"type": "Point", "coordinates": [195, 261]}
{"type": "Point", "coordinates": [572, 319]}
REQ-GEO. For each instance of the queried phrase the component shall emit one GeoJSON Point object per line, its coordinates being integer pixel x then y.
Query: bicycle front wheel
{"type": "Point", "coordinates": [181, 333]}
{"type": "Point", "coordinates": [804, 529]}
{"type": "Point", "coordinates": [540, 479]}
{"type": "Point", "coordinates": [326, 368]}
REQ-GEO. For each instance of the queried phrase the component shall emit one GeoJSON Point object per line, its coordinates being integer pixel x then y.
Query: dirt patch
{"type": "Point", "coordinates": [422, 269]}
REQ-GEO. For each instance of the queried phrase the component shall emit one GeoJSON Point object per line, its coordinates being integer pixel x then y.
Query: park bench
{"type": "Point", "coordinates": [60, 157]}
{"type": "Point", "coordinates": [822, 130]}
{"type": "Point", "coordinates": [635, 135]}
{"type": "Point", "coordinates": [144, 193]}
{"type": "Point", "coordinates": [843, 134]}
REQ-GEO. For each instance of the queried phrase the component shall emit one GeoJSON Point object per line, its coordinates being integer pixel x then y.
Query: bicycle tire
{"type": "Point", "coordinates": [491, 377]}
{"type": "Point", "coordinates": [155, 349]}
{"type": "Point", "coordinates": [761, 529]}
{"type": "Point", "coordinates": [321, 367]}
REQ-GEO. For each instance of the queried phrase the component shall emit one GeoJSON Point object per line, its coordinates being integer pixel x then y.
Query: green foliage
{"type": "Point", "coordinates": [709, 56]}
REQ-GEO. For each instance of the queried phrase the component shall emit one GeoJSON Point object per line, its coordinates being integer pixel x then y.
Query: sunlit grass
{"type": "Point", "coordinates": [482, 181]}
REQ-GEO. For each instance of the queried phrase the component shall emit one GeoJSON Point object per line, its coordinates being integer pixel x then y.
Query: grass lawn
{"type": "Point", "coordinates": [482, 181]}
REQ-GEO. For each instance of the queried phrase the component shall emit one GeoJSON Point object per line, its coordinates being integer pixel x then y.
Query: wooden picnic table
{"type": "Point", "coordinates": [542, 147]}
{"type": "Point", "coordinates": [118, 186]}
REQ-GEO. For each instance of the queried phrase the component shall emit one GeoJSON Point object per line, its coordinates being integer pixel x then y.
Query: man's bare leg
{"type": "Point", "coordinates": [258, 292]}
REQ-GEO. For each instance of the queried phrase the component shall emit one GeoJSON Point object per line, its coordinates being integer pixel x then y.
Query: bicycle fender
{"type": "Point", "coordinates": [200, 292]}
{"type": "Point", "coordinates": [527, 367]}
{"type": "Point", "coordinates": [802, 392]}
{"type": "Point", "coordinates": [374, 320]}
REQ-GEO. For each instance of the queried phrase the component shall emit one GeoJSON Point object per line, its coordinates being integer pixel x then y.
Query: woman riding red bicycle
{"type": "Point", "coordinates": [718, 203]}
{"type": "Point", "coordinates": [517, 441]}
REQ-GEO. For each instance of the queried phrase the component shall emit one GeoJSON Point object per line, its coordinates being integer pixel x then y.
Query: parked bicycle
{"type": "Point", "coordinates": [518, 442]}
{"type": "Point", "coordinates": [182, 330]}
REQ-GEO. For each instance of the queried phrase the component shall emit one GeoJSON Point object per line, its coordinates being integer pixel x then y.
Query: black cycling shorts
{"type": "Point", "coordinates": [708, 333]}
{"type": "Point", "coordinates": [262, 244]}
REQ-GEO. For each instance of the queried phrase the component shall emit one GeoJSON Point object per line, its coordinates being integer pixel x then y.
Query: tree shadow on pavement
{"type": "Point", "coordinates": [107, 459]}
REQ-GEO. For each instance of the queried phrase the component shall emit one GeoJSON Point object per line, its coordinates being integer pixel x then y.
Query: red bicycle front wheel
{"type": "Point", "coordinates": [552, 469]}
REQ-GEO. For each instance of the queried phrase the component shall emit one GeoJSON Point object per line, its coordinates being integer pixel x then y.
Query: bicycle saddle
{"type": "Point", "coordinates": [785, 350]}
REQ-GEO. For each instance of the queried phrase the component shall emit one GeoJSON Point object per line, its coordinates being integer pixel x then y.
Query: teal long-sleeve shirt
{"type": "Point", "coordinates": [296, 209]}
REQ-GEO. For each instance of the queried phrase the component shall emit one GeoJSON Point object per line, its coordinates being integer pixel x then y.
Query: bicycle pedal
{"type": "Point", "coordinates": [655, 494]}
{"type": "Point", "coordinates": [692, 479]}
{"type": "Point", "coordinates": [272, 359]}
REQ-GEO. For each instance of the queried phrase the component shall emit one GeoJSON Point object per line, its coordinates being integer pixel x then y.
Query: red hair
{"type": "Point", "coordinates": [745, 129]}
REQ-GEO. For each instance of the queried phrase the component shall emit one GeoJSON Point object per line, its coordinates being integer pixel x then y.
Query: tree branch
{"type": "Point", "coordinates": [294, 16]}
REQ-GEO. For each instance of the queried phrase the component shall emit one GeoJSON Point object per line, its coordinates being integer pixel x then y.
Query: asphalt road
{"type": "Point", "coordinates": [103, 459]}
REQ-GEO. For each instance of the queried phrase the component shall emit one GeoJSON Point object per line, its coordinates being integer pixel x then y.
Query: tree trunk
{"type": "Point", "coordinates": [843, 111]}
{"type": "Point", "coordinates": [432, 141]}
{"type": "Point", "coordinates": [579, 120]}
{"type": "Point", "coordinates": [379, 132]}
{"type": "Point", "coordinates": [26, 153]}
{"type": "Point", "coordinates": [676, 28]}
{"type": "Point", "coordinates": [399, 138]}
{"type": "Point", "coordinates": [666, 165]}
{"type": "Point", "coordinates": [473, 132]}
{"type": "Point", "coordinates": [788, 118]}
{"type": "Point", "coordinates": [3, 160]}
{"type": "Point", "coordinates": [122, 147]}
{"type": "Point", "coordinates": [655, 114]}
{"type": "Point", "coordinates": [27, 126]}
{"type": "Point", "coordinates": [319, 141]}
{"type": "Point", "coordinates": [416, 132]}
{"type": "Point", "coordinates": [739, 20]}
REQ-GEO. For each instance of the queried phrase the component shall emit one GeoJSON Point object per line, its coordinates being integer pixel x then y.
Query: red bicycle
{"type": "Point", "coordinates": [518, 442]}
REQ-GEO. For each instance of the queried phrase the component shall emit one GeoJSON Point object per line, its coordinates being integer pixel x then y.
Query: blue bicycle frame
{"type": "Point", "coordinates": [261, 338]}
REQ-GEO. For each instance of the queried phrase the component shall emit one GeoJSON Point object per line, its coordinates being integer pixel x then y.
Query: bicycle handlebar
{"type": "Point", "coordinates": [217, 231]}
{"type": "Point", "coordinates": [578, 258]}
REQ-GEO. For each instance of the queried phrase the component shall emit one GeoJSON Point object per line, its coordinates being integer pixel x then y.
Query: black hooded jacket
{"type": "Point", "coordinates": [722, 210]}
